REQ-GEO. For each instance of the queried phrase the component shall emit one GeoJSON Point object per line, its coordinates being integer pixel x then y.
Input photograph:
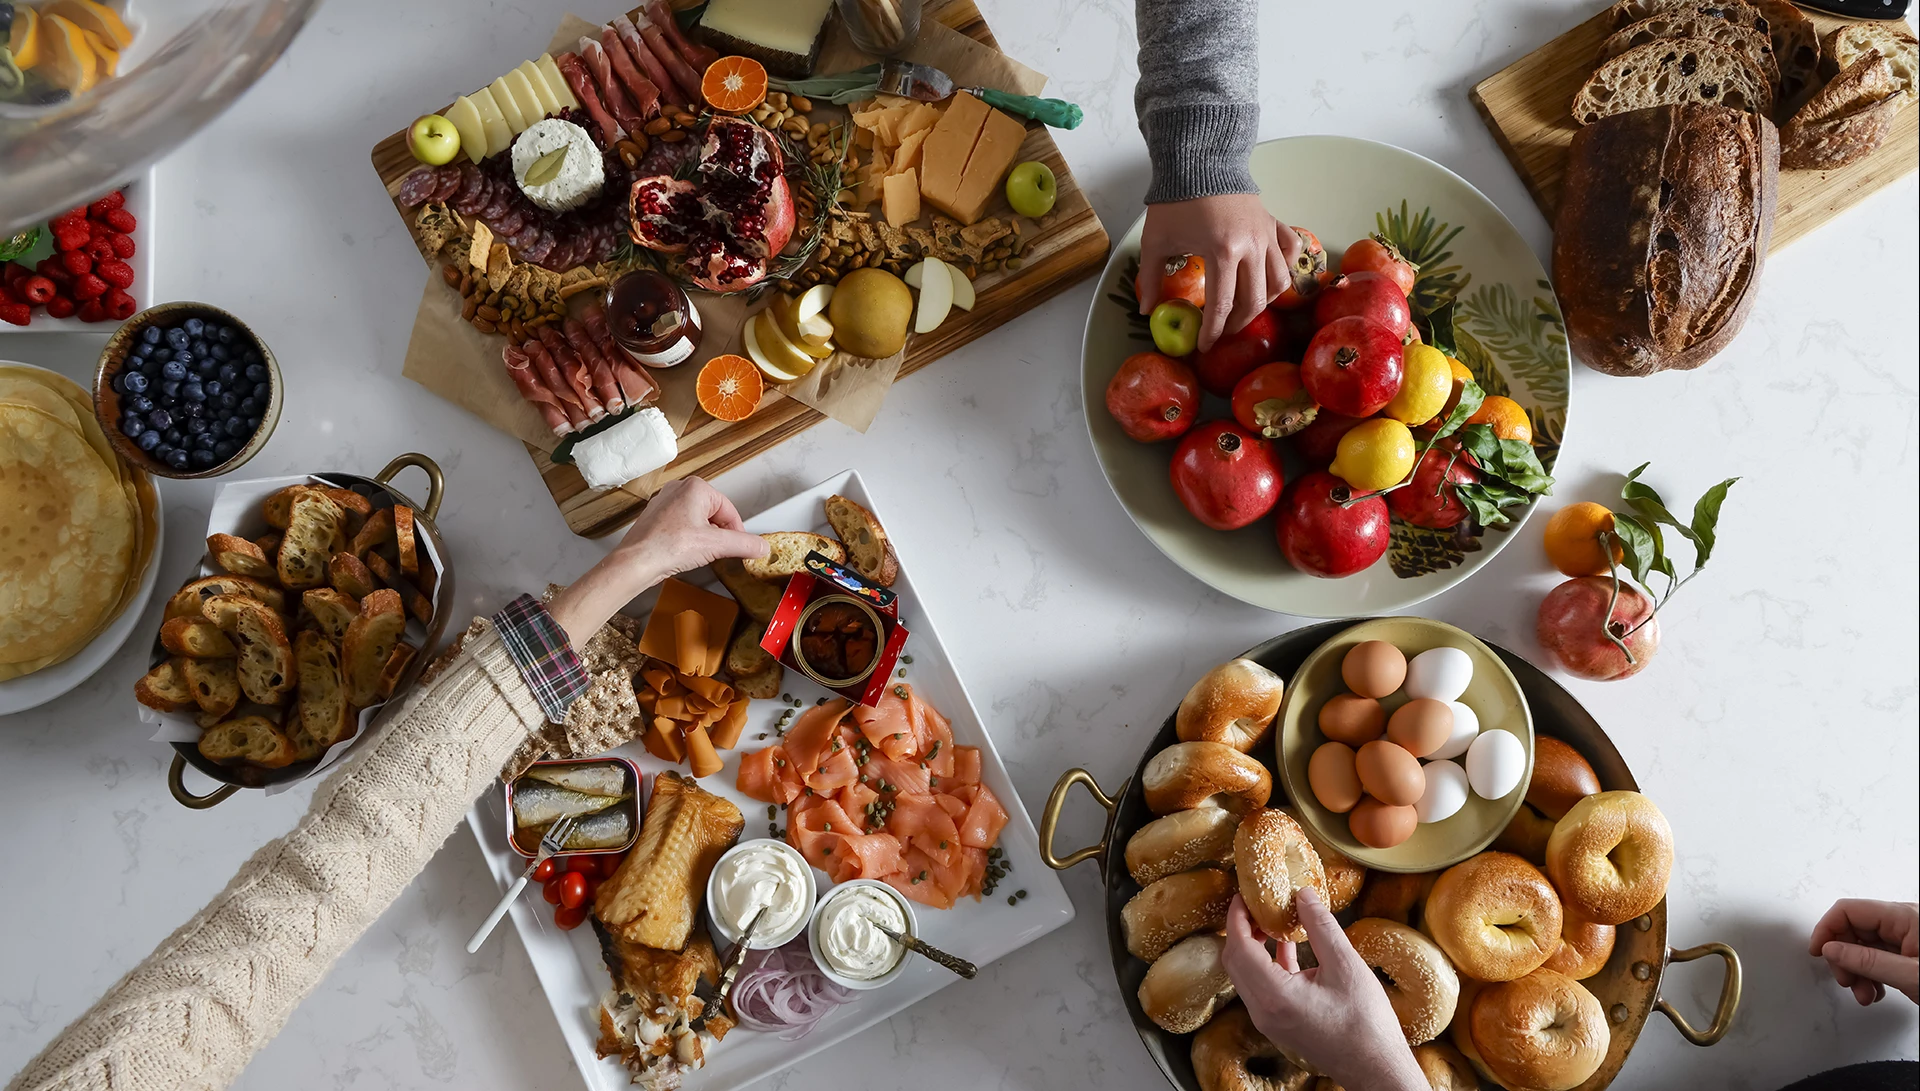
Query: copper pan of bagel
{"type": "Point", "coordinates": [1466, 1032]}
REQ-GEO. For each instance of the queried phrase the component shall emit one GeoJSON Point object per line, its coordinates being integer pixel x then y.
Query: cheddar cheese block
{"type": "Point", "coordinates": [965, 157]}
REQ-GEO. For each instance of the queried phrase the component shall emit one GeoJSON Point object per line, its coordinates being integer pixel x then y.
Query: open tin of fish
{"type": "Point", "coordinates": [837, 628]}
{"type": "Point", "coordinates": [539, 794]}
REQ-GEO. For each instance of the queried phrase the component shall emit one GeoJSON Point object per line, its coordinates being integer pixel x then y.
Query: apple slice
{"type": "Point", "coordinates": [962, 289]}
{"type": "Point", "coordinates": [936, 297]}
{"type": "Point", "coordinates": [473, 132]}
{"type": "Point", "coordinates": [916, 275]}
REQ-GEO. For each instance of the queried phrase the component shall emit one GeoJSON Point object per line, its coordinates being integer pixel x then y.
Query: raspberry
{"type": "Point", "coordinates": [76, 262]}
{"type": "Point", "coordinates": [93, 311]}
{"type": "Point", "coordinates": [17, 313]}
{"type": "Point", "coordinates": [122, 245]}
{"type": "Point", "coordinates": [34, 290]}
{"type": "Point", "coordinates": [115, 272]}
{"type": "Point", "coordinates": [101, 249]}
{"type": "Point", "coordinates": [71, 236]}
{"type": "Point", "coordinates": [11, 271]}
{"type": "Point", "coordinates": [55, 270]}
{"type": "Point", "coordinates": [120, 220]}
{"type": "Point", "coordinates": [61, 307]}
{"type": "Point", "coordinates": [8, 295]}
{"type": "Point", "coordinates": [107, 204]}
{"type": "Point", "coordinates": [88, 288]}
{"type": "Point", "coordinates": [69, 218]}
{"type": "Point", "coordinates": [120, 305]}
{"type": "Point", "coordinates": [97, 230]}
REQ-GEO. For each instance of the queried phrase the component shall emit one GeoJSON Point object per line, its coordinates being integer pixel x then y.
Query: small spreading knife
{"type": "Point", "coordinates": [925, 83]}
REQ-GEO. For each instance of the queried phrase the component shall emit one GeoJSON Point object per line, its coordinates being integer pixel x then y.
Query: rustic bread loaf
{"type": "Point", "coordinates": [1670, 72]}
{"type": "Point", "coordinates": [1893, 41]}
{"type": "Point", "coordinates": [1698, 22]}
{"type": "Point", "coordinates": [1626, 12]}
{"type": "Point", "coordinates": [1846, 120]}
{"type": "Point", "coordinates": [1662, 230]}
{"type": "Point", "coordinates": [1796, 45]}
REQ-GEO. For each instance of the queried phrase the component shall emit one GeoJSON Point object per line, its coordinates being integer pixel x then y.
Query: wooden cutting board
{"type": "Point", "coordinates": [1071, 245]}
{"type": "Point", "coordinates": [1526, 104]}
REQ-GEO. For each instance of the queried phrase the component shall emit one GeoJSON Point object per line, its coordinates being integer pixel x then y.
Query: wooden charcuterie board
{"type": "Point", "coordinates": [1527, 105]}
{"type": "Point", "coordinates": [1071, 245]}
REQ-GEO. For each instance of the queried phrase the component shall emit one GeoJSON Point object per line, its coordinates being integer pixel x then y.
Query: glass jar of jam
{"type": "Point", "coordinates": [652, 318]}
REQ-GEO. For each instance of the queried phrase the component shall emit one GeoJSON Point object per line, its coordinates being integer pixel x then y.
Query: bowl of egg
{"type": "Point", "coordinates": [1405, 743]}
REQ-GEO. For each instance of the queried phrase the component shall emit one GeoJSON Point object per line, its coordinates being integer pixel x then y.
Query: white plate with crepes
{"type": "Point", "coordinates": [43, 685]}
{"type": "Point", "coordinates": [569, 964]}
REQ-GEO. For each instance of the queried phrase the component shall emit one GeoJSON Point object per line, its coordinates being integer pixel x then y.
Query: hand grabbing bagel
{"type": "Point", "coordinates": [1869, 945]}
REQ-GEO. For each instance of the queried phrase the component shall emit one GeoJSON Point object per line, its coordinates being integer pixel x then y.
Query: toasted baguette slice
{"type": "Point", "coordinates": [1845, 120]}
{"type": "Point", "coordinates": [195, 637]}
{"type": "Point", "coordinates": [252, 739]}
{"type": "Point", "coordinates": [375, 532]}
{"type": "Point", "coordinates": [266, 656]}
{"type": "Point", "coordinates": [1796, 44]}
{"type": "Point", "coordinates": [240, 557]}
{"type": "Point", "coordinates": [331, 610]}
{"type": "Point", "coordinates": [277, 509]}
{"type": "Point", "coordinates": [1673, 72]}
{"type": "Point", "coordinates": [354, 510]}
{"type": "Point", "coordinates": [745, 655]}
{"type": "Point", "coordinates": [787, 553]}
{"type": "Point", "coordinates": [868, 548]}
{"type": "Point", "coordinates": [320, 713]}
{"type": "Point", "coordinates": [269, 546]}
{"type": "Point", "coordinates": [165, 688]}
{"type": "Point", "coordinates": [1891, 40]}
{"type": "Point", "coordinates": [1711, 22]}
{"type": "Point", "coordinates": [369, 643]}
{"type": "Point", "coordinates": [215, 684]}
{"type": "Point", "coordinates": [309, 540]}
{"type": "Point", "coordinates": [349, 575]}
{"type": "Point", "coordinates": [417, 603]}
{"type": "Point", "coordinates": [756, 596]}
{"type": "Point", "coordinates": [403, 540]}
{"type": "Point", "coordinates": [397, 664]}
{"type": "Point", "coordinates": [187, 601]}
{"type": "Point", "coordinates": [763, 684]}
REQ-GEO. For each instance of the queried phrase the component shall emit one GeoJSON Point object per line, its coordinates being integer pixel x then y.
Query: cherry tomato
{"type": "Point", "coordinates": [551, 890]}
{"type": "Point", "coordinates": [573, 890]}
{"type": "Point", "coordinates": [1186, 279]}
{"type": "Point", "coordinates": [569, 918]}
{"type": "Point", "coordinates": [585, 865]}
{"type": "Point", "coordinates": [611, 862]}
{"type": "Point", "coordinates": [1376, 255]}
{"type": "Point", "coordinates": [544, 870]}
{"type": "Point", "coordinates": [1310, 271]}
{"type": "Point", "coordinates": [1270, 401]}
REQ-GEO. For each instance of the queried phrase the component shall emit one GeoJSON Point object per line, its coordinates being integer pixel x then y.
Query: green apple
{"type": "Point", "coordinates": [1031, 189]}
{"type": "Point", "coordinates": [433, 140]}
{"type": "Point", "coordinates": [1175, 325]}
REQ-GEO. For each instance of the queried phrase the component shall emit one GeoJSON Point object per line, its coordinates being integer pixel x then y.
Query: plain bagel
{"type": "Point", "coordinates": [1421, 984]}
{"type": "Point", "coordinates": [1396, 897]}
{"type": "Point", "coordinates": [1234, 703]}
{"type": "Point", "coordinates": [1274, 859]}
{"type": "Point", "coordinates": [1445, 1068]}
{"type": "Point", "coordinates": [1494, 915]}
{"type": "Point", "coordinates": [1175, 907]}
{"type": "Point", "coordinates": [1542, 1032]}
{"type": "Point", "coordinates": [1230, 1055]}
{"type": "Point", "coordinates": [1584, 946]}
{"type": "Point", "coordinates": [1180, 842]}
{"type": "Point", "coordinates": [1526, 835]}
{"type": "Point", "coordinates": [1611, 856]}
{"type": "Point", "coordinates": [1193, 774]}
{"type": "Point", "coordinates": [1185, 986]}
{"type": "Point", "coordinates": [1344, 877]}
{"type": "Point", "coordinates": [1561, 777]}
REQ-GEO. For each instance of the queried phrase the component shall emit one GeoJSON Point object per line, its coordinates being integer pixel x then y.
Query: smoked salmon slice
{"type": "Point", "coordinates": [807, 740]}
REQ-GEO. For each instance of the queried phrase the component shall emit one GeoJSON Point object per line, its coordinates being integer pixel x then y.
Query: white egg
{"type": "Point", "coordinates": [1466, 725]}
{"type": "Point", "coordinates": [1495, 762]}
{"type": "Point", "coordinates": [1439, 673]}
{"type": "Point", "coordinates": [1446, 791]}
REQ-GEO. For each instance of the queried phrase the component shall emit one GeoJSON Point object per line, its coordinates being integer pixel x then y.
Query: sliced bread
{"type": "Point", "coordinates": [756, 596]}
{"type": "Point", "coordinates": [763, 684]}
{"type": "Point", "coordinates": [165, 688]}
{"type": "Point", "coordinates": [349, 576]}
{"type": "Point", "coordinates": [1697, 22]}
{"type": "Point", "coordinates": [266, 656]}
{"type": "Point", "coordinates": [309, 540]}
{"type": "Point", "coordinates": [320, 713]}
{"type": "Point", "coordinates": [1627, 12]}
{"type": "Point", "coordinates": [1673, 72]}
{"type": "Point", "coordinates": [745, 655]}
{"type": "Point", "coordinates": [787, 553]}
{"type": "Point", "coordinates": [1845, 120]}
{"type": "Point", "coordinates": [188, 601]}
{"type": "Point", "coordinates": [215, 684]}
{"type": "Point", "coordinates": [369, 643]}
{"type": "Point", "coordinates": [1893, 41]}
{"type": "Point", "coordinates": [397, 664]}
{"type": "Point", "coordinates": [416, 601]}
{"type": "Point", "coordinates": [247, 738]}
{"type": "Point", "coordinates": [331, 610]}
{"type": "Point", "coordinates": [1796, 45]}
{"type": "Point", "coordinates": [195, 637]}
{"type": "Point", "coordinates": [868, 549]}
{"type": "Point", "coordinates": [240, 557]}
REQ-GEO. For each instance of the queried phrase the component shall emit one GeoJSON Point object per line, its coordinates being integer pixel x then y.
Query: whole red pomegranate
{"type": "Point", "coordinates": [1574, 624]}
{"type": "Point", "coordinates": [1321, 537]}
{"type": "Point", "coordinates": [730, 219]}
{"type": "Point", "coordinates": [1153, 397]}
{"type": "Point", "coordinates": [1237, 353]}
{"type": "Point", "coordinates": [1430, 500]}
{"type": "Point", "coordinates": [1225, 475]}
{"type": "Point", "coordinates": [1319, 441]}
{"type": "Point", "coordinates": [1372, 296]}
{"type": "Point", "coordinates": [1353, 366]}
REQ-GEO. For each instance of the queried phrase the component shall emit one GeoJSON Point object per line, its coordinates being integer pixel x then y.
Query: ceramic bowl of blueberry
{"type": "Point", "coordinates": [186, 390]}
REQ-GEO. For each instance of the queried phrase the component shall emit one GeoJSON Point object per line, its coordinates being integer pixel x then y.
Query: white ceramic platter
{"type": "Point", "coordinates": [33, 690]}
{"type": "Point", "coordinates": [140, 202]}
{"type": "Point", "coordinates": [569, 964]}
{"type": "Point", "coordinates": [1509, 334]}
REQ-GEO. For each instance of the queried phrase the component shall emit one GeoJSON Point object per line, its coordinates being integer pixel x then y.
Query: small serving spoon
{"type": "Point", "coordinates": [921, 947]}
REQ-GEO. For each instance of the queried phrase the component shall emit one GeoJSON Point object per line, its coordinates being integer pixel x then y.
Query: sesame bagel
{"type": "Point", "coordinates": [1234, 703]}
{"type": "Point", "coordinates": [1192, 774]}
{"type": "Point", "coordinates": [1185, 986]}
{"type": "Point", "coordinates": [1421, 984]}
{"type": "Point", "coordinates": [1494, 915]}
{"type": "Point", "coordinates": [1274, 859]}
{"type": "Point", "coordinates": [1611, 856]}
{"type": "Point", "coordinates": [1344, 877]}
{"type": "Point", "coordinates": [1175, 907]}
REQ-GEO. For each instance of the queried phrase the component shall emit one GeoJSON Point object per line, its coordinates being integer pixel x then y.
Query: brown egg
{"type": "Point", "coordinates": [1374, 668]}
{"type": "Point", "coordinates": [1331, 776]}
{"type": "Point", "coordinates": [1379, 826]}
{"type": "Point", "coordinates": [1352, 719]}
{"type": "Point", "coordinates": [1422, 725]}
{"type": "Point", "coordinates": [1389, 773]}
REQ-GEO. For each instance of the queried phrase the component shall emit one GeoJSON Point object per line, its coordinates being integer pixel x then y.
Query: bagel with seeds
{"type": "Point", "coordinates": [1185, 986]}
{"type": "Point", "coordinates": [1274, 860]}
{"type": "Point", "coordinates": [1181, 841]}
{"type": "Point", "coordinates": [1421, 984]}
{"type": "Point", "coordinates": [1173, 908]}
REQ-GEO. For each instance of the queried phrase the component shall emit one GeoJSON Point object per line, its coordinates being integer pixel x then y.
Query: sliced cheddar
{"type": "Point", "coordinates": [537, 81]}
{"type": "Point", "coordinates": [509, 106]}
{"type": "Point", "coordinates": [720, 611]}
{"type": "Point", "coordinates": [900, 198]}
{"type": "Point", "coordinates": [943, 156]}
{"type": "Point", "coordinates": [493, 121]}
{"type": "Point", "coordinates": [555, 81]}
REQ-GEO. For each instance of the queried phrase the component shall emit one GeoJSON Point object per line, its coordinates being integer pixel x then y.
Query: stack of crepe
{"type": "Point", "coordinates": [77, 524]}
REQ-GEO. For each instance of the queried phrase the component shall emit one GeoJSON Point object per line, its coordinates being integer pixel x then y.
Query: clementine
{"type": "Point", "coordinates": [729, 388]}
{"type": "Point", "coordinates": [1573, 540]}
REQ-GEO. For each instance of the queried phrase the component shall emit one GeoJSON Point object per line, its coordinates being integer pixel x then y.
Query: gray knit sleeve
{"type": "Point", "coordinates": [1196, 99]}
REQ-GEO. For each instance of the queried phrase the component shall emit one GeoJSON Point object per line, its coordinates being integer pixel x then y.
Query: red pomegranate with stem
{"type": "Point", "coordinates": [1431, 499]}
{"type": "Point", "coordinates": [1372, 296]}
{"type": "Point", "coordinates": [1354, 366]}
{"type": "Point", "coordinates": [1153, 397]}
{"type": "Point", "coordinates": [1595, 633]}
{"type": "Point", "coordinates": [1225, 475]}
{"type": "Point", "coordinates": [730, 218]}
{"type": "Point", "coordinates": [1324, 532]}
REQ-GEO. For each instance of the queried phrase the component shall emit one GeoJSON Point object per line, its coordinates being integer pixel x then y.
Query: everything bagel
{"type": "Point", "coordinates": [1420, 982]}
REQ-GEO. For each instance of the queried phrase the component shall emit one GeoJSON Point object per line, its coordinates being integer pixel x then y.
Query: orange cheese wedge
{"type": "Point", "coordinates": [69, 61]}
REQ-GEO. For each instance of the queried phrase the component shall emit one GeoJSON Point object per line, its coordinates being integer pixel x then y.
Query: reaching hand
{"type": "Point", "coordinates": [1248, 255]}
{"type": "Point", "coordinates": [1335, 1015]}
{"type": "Point", "coordinates": [1869, 945]}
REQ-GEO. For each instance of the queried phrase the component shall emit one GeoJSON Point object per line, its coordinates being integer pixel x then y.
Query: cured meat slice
{"type": "Point", "coordinates": [574, 70]}
{"type": "Point", "coordinates": [511, 223]}
{"type": "Point", "coordinates": [696, 55]}
{"type": "Point", "coordinates": [683, 75]}
{"type": "Point", "coordinates": [520, 369]}
{"type": "Point", "coordinates": [644, 92]}
{"type": "Point", "coordinates": [523, 241]}
{"type": "Point", "coordinates": [618, 104]}
{"type": "Point", "coordinates": [473, 190]}
{"type": "Point", "coordinates": [499, 200]}
{"type": "Point", "coordinates": [550, 377]}
{"type": "Point", "coordinates": [629, 34]}
{"type": "Point", "coordinates": [598, 366]}
{"type": "Point", "coordinates": [635, 383]}
{"type": "Point", "coordinates": [417, 188]}
{"type": "Point", "coordinates": [446, 182]}
{"type": "Point", "coordinates": [573, 371]}
{"type": "Point", "coordinates": [540, 244]}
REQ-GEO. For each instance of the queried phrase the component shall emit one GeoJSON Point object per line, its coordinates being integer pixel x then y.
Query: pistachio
{"type": "Point", "coordinates": [510, 301]}
{"type": "Point", "coordinates": [1015, 263]}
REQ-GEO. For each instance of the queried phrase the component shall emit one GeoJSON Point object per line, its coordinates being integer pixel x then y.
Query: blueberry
{"type": "Point", "coordinates": [178, 338]}
{"type": "Point", "coordinates": [228, 402]}
{"type": "Point", "coordinates": [150, 368]}
{"type": "Point", "coordinates": [119, 383]}
{"type": "Point", "coordinates": [178, 459]}
{"type": "Point", "coordinates": [214, 388]}
{"type": "Point", "coordinates": [228, 374]}
{"type": "Point", "coordinates": [150, 335]}
{"type": "Point", "coordinates": [197, 425]}
{"type": "Point", "coordinates": [148, 440]}
{"type": "Point", "coordinates": [224, 449]}
{"type": "Point", "coordinates": [237, 427]}
{"type": "Point", "coordinates": [253, 422]}
{"type": "Point", "coordinates": [161, 452]}
{"type": "Point", "coordinates": [194, 327]}
{"type": "Point", "coordinates": [193, 409]}
{"type": "Point", "coordinates": [225, 336]}
{"type": "Point", "coordinates": [206, 368]}
{"type": "Point", "coordinates": [170, 388]}
{"type": "Point", "coordinates": [204, 441]}
{"type": "Point", "coordinates": [174, 437]}
{"type": "Point", "coordinates": [251, 356]}
{"type": "Point", "coordinates": [193, 391]}
{"type": "Point", "coordinates": [256, 372]}
{"type": "Point", "coordinates": [136, 383]}
{"type": "Point", "coordinates": [140, 351]}
{"type": "Point", "coordinates": [173, 371]}
{"type": "Point", "coordinates": [131, 425]}
{"type": "Point", "coordinates": [160, 419]}
{"type": "Point", "coordinates": [202, 459]}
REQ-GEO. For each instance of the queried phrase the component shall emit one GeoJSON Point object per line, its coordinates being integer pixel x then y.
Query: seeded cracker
{"type": "Point", "coordinates": [436, 227]}
{"type": "Point", "coordinates": [482, 243]}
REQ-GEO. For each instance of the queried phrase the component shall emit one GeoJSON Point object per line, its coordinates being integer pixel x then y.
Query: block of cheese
{"type": "Point", "coordinates": [659, 638]}
{"type": "Point", "coordinates": [783, 35]}
{"type": "Point", "coordinates": [943, 156]}
{"type": "Point", "coordinates": [900, 198]}
{"type": "Point", "coordinates": [993, 156]}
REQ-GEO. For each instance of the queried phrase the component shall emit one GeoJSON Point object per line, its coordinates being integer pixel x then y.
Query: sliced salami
{"type": "Point", "coordinates": [500, 200]}
{"type": "Point", "coordinates": [447, 181]}
{"type": "Point", "coordinates": [417, 188]}
{"type": "Point", "coordinates": [473, 190]}
{"type": "Point", "coordinates": [522, 241]}
{"type": "Point", "coordinates": [512, 223]}
{"type": "Point", "coordinates": [537, 250]}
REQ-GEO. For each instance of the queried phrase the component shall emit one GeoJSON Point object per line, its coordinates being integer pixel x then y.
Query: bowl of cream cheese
{"type": "Point", "coordinates": [846, 943]}
{"type": "Point", "coordinates": [754, 874]}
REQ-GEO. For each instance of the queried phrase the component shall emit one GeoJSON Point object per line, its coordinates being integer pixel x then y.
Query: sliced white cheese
{"type": "Point", "coordinates": [549, 102]}
{"type": "Point", "coordinates": [499, 137]}
{"type": "Point", "coordinates": [635, 447]}
{"type": "Point", "coordinates": [473, 132]}
{"type": "Point", "coordinates": [523, 96]}
{"type": "Point", "coordinates": [509, 106]}
{"type": "Point", "coordinates": [555, 81]}
{"type": "Point", "coordinates": [788, 26]}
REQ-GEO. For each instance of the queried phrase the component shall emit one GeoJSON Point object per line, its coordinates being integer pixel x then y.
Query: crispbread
{"type": "Point", "coordinates": [195, 637]}
{"type": "Point", "coordinates": [215, 684]}
{"type": "Point", "coordinates": [787, 554]}
{"type": "Point", "coordinates": [368, 644]}
{"type": "Point", "coordinates": [247, 738]}
{"type": "Point", "coordinates": [165, 687]}
{"type": "Point", "coordinates": [868, 548]}
{"type": "Point", "coordinates": [308, 542]}
{"type": "Point", "coordinates": [320, 713]}
{"type": "Point", "coordinates": [331, 610]}
{"type": "Point", "coordinates": [756, 596]}
{"type": "Point", "coordinates": [266, 656]}
{"type": "Point", "coordinates": [187, 601]}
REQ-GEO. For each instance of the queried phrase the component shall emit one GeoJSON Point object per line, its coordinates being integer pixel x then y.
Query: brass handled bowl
{"type": "Point", "coordinates": [1628, 988]}
{"type": "Point", "coordinates": [379, 489]}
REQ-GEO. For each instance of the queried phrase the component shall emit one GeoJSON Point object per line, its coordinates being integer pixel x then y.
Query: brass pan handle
{"type": "Point", "coordinates": [1050, 818]}
{"type": "Point", "coordinates": [436, 483]}
{"type": "Point", "coordinates": [177, 784]}
{"type": "Point", "coordinates": [1729, 995]}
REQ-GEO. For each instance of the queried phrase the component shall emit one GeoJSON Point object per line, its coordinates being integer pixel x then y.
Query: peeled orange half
{"type": "Point", "coordinates": [729, 387]}
{"type": "Point", "coordinates": [734, 85]}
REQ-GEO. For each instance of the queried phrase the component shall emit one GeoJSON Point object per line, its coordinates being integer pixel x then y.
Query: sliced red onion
{"type": "Point", "coordinates": [782, 991]}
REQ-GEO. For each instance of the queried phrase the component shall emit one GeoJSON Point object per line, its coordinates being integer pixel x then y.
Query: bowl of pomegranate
{"type": "Point", "coordinates": [1373, 435]}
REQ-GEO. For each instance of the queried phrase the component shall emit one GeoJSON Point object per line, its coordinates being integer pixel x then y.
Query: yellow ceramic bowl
{"type": "Point", "coordinates": [1494, 695]}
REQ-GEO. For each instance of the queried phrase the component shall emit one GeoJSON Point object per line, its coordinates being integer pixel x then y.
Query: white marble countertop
{"type": "Point", "coordinates": [1776, 729]}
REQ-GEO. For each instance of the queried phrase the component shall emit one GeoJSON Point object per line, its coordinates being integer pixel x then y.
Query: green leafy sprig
{"type": "Point", "coordinates": [1643, 546]}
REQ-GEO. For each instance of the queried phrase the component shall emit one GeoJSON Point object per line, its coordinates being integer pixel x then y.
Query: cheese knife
{"type": "Point", "coordinates": [925, 83]}
{"type": "Point", "coordinates": [738, 955]}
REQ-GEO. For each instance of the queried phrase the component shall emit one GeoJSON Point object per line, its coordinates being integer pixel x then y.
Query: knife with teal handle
{"type": "Point", "coordinates": [925, 83]}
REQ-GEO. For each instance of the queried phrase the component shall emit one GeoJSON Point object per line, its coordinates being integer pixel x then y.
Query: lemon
{"type": "Point", "coordinates": [1374, 455]}
{"type": "Point", "coordinates": [1425, 386]}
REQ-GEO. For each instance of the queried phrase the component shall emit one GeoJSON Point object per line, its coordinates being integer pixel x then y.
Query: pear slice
{"type": "Point", "coordinates": [473, 132]}
{"type": "Point", "coordinates": [810, 314]}
{"type": "Point", "coordinates": [549, 102]}
{"type": "Point", "coordinates": [962, 289]}
{"type": "Point", "coordinates": [772, 352]}
{"type": "Point", "coordinates": [936, 297]}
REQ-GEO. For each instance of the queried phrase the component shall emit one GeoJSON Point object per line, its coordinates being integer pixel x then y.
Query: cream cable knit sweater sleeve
{"type": "Point", "coordinates": [197, 1009]}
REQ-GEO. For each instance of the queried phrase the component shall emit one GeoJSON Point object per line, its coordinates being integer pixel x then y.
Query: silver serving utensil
{"type": "Point", "coordinates": [921, 947]}
{"type": "Point", "coordinates": [925, 83]}
{"type": "Point", "coordinates": [552, 842]}
{"type": "Point", "coordinates": [738, 955]}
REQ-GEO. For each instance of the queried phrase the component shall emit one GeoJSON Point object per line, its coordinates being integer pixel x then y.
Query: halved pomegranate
{"type": "Point", "coordinates": [730, 219]}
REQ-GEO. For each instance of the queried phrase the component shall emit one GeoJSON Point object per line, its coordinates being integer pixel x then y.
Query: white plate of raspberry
{"type": "Point", "coordinates": [108, 254]}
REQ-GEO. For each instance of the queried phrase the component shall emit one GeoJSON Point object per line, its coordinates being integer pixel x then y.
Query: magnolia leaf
{"type": "Point", "coordinates": [1639, 545]}
{"type": "Point", "coordinates": [1706, 518]}
{"type": "Point", "coordinates": [1519, 465]}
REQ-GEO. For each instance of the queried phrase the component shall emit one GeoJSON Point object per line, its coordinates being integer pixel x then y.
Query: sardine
{"type": "Point", "coordinates": [601, 830]}
{"type": "Point", "coordinates": [605, 779]}
{"type": "Point", "coordinates": [537, 803]}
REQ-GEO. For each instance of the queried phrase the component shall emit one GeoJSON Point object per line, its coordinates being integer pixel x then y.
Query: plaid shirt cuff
{"type": "Point", "coordinates": [540, 648]}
